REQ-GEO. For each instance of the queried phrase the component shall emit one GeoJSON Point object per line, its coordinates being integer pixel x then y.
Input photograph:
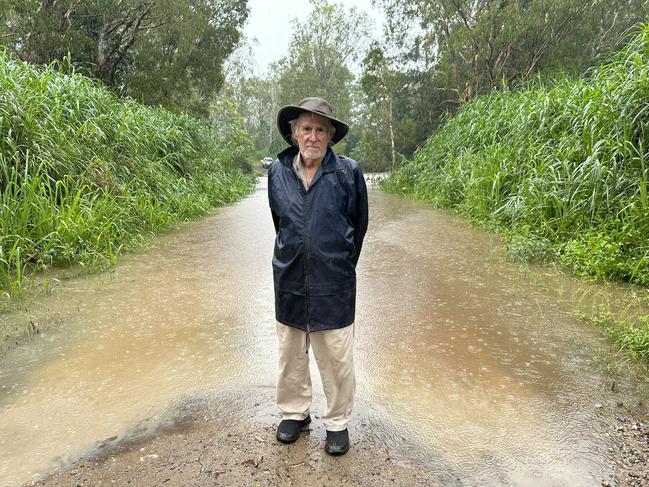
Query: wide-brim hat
{"type": "Point", "coordinates": [309, 105]}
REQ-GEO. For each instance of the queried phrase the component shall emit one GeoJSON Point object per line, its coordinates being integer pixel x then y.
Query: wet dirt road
{"type": "Point", "coordinates": [477, 361]}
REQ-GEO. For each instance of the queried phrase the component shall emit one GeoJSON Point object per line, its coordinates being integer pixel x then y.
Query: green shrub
{"type": "Point", "coordinates": [84, 174]}
{"type": "Point", "coordinates": [560, 167]}
{"type": "Point", "coordinates": [629, 337]}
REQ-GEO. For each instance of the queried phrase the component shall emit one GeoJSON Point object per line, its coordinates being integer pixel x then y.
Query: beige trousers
{"type": "Point", "coordinates": [333, 350]}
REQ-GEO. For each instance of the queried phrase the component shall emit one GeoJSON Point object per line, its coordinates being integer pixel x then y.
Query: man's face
{"type": "Point", "coordinates": [313, 134]}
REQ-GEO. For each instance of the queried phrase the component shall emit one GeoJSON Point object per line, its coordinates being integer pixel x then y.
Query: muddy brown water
{"type": "Point", "coordinates": [479, 362]}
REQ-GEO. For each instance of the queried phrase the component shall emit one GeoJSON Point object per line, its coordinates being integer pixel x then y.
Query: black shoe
{"type": "Point", "coordinates": [288, 430]}
{"type": "Point", "coordinates": [337, 442]}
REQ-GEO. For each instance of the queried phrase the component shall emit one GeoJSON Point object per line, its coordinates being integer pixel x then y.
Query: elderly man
{"type": "Point", "coordinates": [318, 202]}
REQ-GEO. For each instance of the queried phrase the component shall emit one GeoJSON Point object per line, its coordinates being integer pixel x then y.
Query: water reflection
{"type": "Point", "coordinates": [486, 371]}
{"type": "Point", "coordinates": [471, 356]}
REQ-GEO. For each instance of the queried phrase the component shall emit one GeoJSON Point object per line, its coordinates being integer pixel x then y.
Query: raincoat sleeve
{"type": "Point", "coordinates": [275, 220]}
{"type": "Point", "coordinates": [274, 215]}
{"type": "Point", "coordinates": [361, 216]}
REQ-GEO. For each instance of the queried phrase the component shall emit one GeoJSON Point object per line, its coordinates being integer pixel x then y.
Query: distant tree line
{"type": "Point", "coordinates": [433, 56]}
{"type": "Point", "coordinates": [438, 54]}
{"type": "Point", "coordinates": [160, 52]}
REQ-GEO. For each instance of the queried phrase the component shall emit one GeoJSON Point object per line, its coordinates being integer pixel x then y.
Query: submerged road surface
{"type": "Point", "coordinates": [477, 361]}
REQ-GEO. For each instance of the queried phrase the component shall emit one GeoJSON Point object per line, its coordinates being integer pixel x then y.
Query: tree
{"type": "Point", "coordinates": [158, 51]}
{"type": "Point", "coordinates": [180, 64]}
{"type": "Point", "coordinates": [320, 57]}
{"type": "Point", "coordinates": [437, 54]}
{"type": "Point", "coordinates": [370, 139]}
{"type": "Point", "coordinates": [381, 82]}
{"type": "Point", "coordinates": [255, 98]}
{"type": "Point", "coordinates": [97, 34]}
{"type": "Point", "coordinates": [472, 46]}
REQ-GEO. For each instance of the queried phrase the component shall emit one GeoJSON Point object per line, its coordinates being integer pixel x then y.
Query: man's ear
{"type": "Point", "coordinates": [294, 137]}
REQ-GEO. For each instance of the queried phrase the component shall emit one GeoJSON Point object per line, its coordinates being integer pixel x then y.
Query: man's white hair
{"type": "Point", "coordinates": [295, 125]}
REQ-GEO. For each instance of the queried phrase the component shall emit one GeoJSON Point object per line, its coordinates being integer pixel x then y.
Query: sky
{"type": "Point", "coordinates": [269, 22]}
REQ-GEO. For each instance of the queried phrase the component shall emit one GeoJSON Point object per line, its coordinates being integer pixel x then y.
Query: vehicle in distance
{"type": "Point", "coordinates": [266, 162]}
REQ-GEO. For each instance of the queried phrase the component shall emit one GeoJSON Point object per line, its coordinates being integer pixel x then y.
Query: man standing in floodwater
{"type": "Point", "coordinates": [318, 201]}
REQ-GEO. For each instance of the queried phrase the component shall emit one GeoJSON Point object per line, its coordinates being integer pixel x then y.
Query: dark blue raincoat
{"type": "Point", "coordinates": [319, 238]}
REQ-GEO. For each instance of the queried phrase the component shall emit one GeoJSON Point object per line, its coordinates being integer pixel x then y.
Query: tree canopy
{"type": "Point", "coordinates": [321, 55]}
{"type": "Point", "coordinates": [442, 53]}
{"type": "Point", "coordinates": [472, 46]}
{"type": "Point", "coordinates": [432, 57]}
{"type": "Point", "coordinates": [161, 52]}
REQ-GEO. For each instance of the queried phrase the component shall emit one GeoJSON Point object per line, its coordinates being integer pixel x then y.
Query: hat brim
{"type": "Point", "coordinates": [291, 112]}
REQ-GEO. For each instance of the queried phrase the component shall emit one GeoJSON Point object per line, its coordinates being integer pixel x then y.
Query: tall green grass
{"type": "Point", "coordinates": [559, 167]}
{"type": "Point", "coordinates": [84, 174]}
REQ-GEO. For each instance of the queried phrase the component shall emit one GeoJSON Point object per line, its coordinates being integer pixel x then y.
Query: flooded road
{"type": "Point", "coordinates": [476, 360]}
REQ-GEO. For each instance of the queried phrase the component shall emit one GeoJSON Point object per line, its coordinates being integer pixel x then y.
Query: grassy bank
{"type": "Point", "coordinates": [559, 168]}
{"type": "Point", "coordinates": [84, 175]}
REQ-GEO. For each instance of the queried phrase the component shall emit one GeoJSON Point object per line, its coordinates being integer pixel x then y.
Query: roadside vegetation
{"type": "Point", "coordinates": [559, 167]}
{"type": "Point", "coordinates": [85, 175]}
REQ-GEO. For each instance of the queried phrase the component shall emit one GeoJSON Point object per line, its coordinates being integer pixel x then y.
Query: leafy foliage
{"type": "Point", "coordinates": [253, 97]}
{"type": "Point", "coordinates": [562, 162]}
{"type": "Point", "coordinates": [161, 52]}
{"type": "Point", "coordinates": [632, 338]}
{"type": "Point", "coordinates": [320, 56]}
{"type": "Point", "coordinates": [474, 46]}
{"type": "Point", "coordinates": [446, 52]}
{"type": "Point", "coordinates": [83, 174]}
{"type": "Point", "coordinates": [381, 82]}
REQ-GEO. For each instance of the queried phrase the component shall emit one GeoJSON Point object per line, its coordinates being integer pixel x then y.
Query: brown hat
{"type": "Point", "coordinates": [311, 105]}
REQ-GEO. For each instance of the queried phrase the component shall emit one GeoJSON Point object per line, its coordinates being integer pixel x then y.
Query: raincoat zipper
{"type": "Point", "coordinates": [306, 269]}
{"type": "Point", "coordinates": [304, 191]}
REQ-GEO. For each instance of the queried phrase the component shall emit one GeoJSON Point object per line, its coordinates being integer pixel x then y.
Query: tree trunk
{"type": "Point", "coordinates": [394, 158]}
{"type": "Point", "coordinates": [271, 116]}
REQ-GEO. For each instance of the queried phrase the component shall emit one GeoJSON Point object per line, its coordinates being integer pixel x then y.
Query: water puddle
{"type": "Point", "coordinates": [476, 360]}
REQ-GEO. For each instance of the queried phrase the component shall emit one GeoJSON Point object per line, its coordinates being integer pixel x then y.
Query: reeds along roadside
{"type": "Point", "coordinates": [84, 174]}
{"type": "Point", "coordinates": [560, 167]}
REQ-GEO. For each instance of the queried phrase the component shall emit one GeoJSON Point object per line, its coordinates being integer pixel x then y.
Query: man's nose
{"type": "Point", "coordinates": [313, 135]}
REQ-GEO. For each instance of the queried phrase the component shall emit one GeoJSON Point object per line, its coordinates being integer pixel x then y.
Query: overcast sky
{"type": "Point", "coordinates": [269, 22]}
